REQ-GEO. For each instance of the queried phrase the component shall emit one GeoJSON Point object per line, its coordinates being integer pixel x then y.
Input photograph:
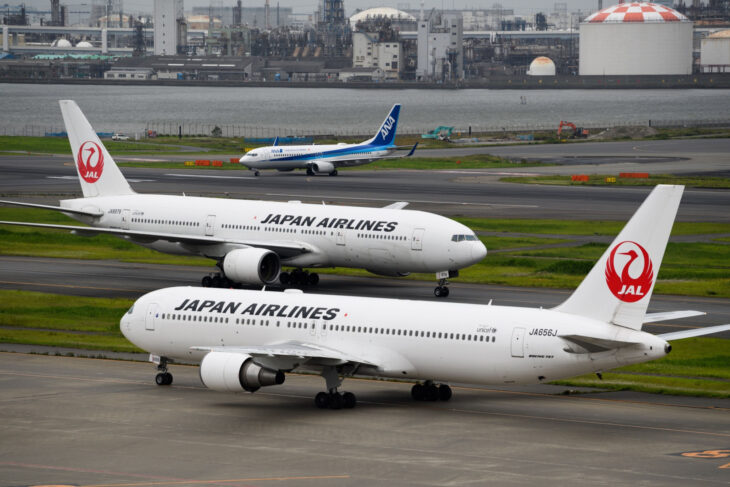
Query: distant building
{"type": "Point", "coordinates": [368, 52]}
{"type": "Point", "coordinates": [440, 49]}
{"type": "Point", "coordinates": [170, 27]}
{"type": "Point", "coordinates": [250, 16]}
{"type": "Point", "coordinates": [716, 53]}
{"type": "Point", "coordinates": [129, 73]}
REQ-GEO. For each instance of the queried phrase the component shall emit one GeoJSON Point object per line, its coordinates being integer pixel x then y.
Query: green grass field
{"type": "Point", "coordinates": [601, 180]}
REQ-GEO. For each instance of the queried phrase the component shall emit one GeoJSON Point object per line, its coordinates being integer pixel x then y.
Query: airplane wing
{"type": "Point", "coordinates": [95, 212]}
{"type": "Point", "coordinates": [671, 315]}
{"type": "Point", "coordinates": [398, 205]}
{"type": "Point", "coordinates": [281, 355]}
{"type": "Point", "coordinates": [284, 249]}
{"type": "Point", "coordinates": [694, 332]}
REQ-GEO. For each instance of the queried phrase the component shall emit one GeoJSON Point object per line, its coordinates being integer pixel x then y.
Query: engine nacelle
{"type": "Point", "coordinates": [236, 372]}
{"type": "Point", "coordinates": [252, 266]}
{"type": "Point", "coordinates": [323, 167]}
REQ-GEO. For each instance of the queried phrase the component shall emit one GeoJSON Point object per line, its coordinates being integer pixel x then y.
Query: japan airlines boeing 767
{"type": "Point", "coordinates": [326, 159]}
{"type": "Point", "coordinates": [250, 240]}
{"type": "Point", "coordinates": [245, 340]}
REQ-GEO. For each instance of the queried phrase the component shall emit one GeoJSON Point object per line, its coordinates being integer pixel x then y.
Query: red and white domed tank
{"type": "Point", "coordinates": [635, 38]}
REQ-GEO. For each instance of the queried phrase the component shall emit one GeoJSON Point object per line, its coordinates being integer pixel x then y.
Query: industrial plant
{"type": "Point", "coordinates": [271, 43]}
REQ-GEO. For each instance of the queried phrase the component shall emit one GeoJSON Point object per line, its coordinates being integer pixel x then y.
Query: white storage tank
{"type": "Point", "coordinates": [541, 66]}
{"type": "Point", "coordinates": [715, 56]}
{"type": "Point", "coordinates": [635, 39]}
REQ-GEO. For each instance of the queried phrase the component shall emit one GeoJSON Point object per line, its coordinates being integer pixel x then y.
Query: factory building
{"type": "Point", "coordinates": [440, 48]}
{"type": "Point", "coordinates": [369, 52]}
{"type": "Point", "coordinates": [715, 53]}
{"type": "Point", "coordinates": [170, 27]}
{"type": "Point", "coordinates": [636, 39]}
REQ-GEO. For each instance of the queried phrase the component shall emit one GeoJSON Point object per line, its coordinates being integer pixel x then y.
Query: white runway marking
{"type": "Point", "coordinates": [410, 201]}
{"type": "Point", "coordinates": [212, 177]}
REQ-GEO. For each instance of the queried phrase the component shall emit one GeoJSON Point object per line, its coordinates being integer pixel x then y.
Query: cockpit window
{"type": "Point", "coordinates": [131, 310]}
{"type": "Point", "coordinates": [461, 238]}
{"type": "Point", "coordinates": [253, 154]}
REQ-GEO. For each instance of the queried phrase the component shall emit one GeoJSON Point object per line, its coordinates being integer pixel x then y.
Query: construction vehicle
{"type": "Point", "coordinates": [441, 132]}
{"type": "Point", "coordinates": [578, 132]}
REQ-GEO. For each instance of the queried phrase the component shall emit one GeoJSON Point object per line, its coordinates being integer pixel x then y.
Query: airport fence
{"type": "Point", "coordinates": [260, 132]}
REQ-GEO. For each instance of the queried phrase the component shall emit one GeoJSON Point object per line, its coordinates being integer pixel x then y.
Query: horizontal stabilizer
{"type": "Point", "coordinates": [694, 332]}
{"type": "Point", "coordinates": [55, 208]}
{"type": "Point", "coordinates": [398, 205]}
{"type": "Point", "coordinates": [590, 344]}
{"type": "Point", "coordinates": [671, 315]}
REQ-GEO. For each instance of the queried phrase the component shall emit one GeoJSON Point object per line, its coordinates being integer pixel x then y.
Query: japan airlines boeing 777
{"type": "Point", "coordinates": [326, 159]}
{"type": "Point", "coordinates": [245, 340]}
{"type": "Point", "coordinates": [250, 240]}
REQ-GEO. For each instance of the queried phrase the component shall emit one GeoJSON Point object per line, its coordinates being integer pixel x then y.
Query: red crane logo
{"type": "Point", "coordinates": [625, 287]}
{"type": "Point", "coordinates": [90, 161]}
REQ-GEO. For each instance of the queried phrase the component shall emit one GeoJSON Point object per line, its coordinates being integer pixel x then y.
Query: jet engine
{"type": "Point", "coordinates": [323, 167]}
{"type": "Point", "coordinates": [236, 372]}
{"type": "Point", "coordinates": [252, 266]}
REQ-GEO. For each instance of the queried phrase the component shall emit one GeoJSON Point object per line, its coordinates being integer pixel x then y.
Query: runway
{"type": "Point", "coordinates": [474, 193]}
{"type": "Point", "coordinates": [114, 279]}
{"type": "Point", "coordinates": [82, 422]}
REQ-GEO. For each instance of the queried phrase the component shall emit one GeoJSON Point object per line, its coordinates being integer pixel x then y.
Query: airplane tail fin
{"type": "Point", "coordinates": [98, 173]}
{"type": "Point", "coordinates": [618, 288]}
{"type": "Point", "coordinates": [386, 132]}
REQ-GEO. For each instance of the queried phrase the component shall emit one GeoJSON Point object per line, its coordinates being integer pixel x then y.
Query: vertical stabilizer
{"type": "Point", "coordinates": [386, 132]}
{"type": "Point", "coordinates": [98, 173]}
{"type": "Point", "coordinates": [618, 288]}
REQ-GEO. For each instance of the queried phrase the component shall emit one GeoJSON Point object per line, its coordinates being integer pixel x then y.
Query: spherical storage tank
{"type": "Point", "coordinates": [542, 66]}
{"type": "Point", "coordinates": [635, 39]}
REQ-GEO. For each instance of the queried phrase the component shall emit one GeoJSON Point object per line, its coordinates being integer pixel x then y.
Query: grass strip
{"type": "Point", "coordinates": [614, 180]}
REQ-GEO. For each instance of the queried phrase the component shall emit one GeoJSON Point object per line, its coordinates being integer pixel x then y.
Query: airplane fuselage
{"type": "Point", "coordinates": [383, 240]}
{"type": "Point", "coordinates": [465, 343]}
{"type": "Point", "coordinates": [302, 156]}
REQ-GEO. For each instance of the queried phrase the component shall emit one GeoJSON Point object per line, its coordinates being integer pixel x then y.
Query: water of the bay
{"type": "Point", "coordinates": [33, 108]}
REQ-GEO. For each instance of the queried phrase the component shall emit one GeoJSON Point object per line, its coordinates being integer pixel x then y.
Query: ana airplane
{"type": "Point", "coordinates": [325, 159]}
{"type": "Point", "coordinates": [251, 240]}
{"type": "Point", "coordinates": [245, 340]}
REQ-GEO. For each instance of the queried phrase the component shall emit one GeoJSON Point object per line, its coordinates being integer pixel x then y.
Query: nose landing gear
{"type": "Point", "coordinates": [163, 378]}
{"type": "Point", "coordinates": [441, 291]}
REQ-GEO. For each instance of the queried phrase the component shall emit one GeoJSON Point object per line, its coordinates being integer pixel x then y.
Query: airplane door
{"type": "Point", "coordinates": [149, 320]}
{"type": "Point", "coordinates": [518, 342]}
{"type": "Point", "coordinates": [417, 241]}
{"type": "Point", "coordinates": [340, 237]}
{"type": "Point", "coordinates": [210, 225]}
{"type": "Point", "coordinates": [126, 216]}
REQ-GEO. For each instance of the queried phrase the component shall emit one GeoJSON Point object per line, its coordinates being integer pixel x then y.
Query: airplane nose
{"type": "Point", "coordinates": [242, 158]}
{"type": "Point", "coordinates": [478, 251]}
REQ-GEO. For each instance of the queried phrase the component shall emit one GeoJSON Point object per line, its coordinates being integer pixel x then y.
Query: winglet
{"type": "Point", "coordinates": [276, 141]}
{"type": "Point", "coordinates": [412, 150]}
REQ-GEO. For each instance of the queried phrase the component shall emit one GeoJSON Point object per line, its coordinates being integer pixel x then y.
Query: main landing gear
{"type": "Point", "coordinates": [217, 280]}
{"type": "Point", "coordinates": [163, 378]}
{"type": "Point", "coordinates": [334, 399]}
{"type": "Point", "coordinates": [256, 173]}
{"type": "Point", "coordinates": [428, 391]}
{"type": "Point", "coordinates": [298, 277]}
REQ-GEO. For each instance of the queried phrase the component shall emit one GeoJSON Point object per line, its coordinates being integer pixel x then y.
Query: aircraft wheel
{"type": "Point", "coordinates": [310, 172]}
{"type": "Point", "coordinates": [431, 392]}
{"type": "Point", "coordinates": [438, 290]}
{"type": "Point", "coordinates": [256, 173]}
{"type": "Point", "coordinates": [349, 400]}
{"type": "Point", "coordinates": [444, 291]}
{"type": "Point", "coordinates": [336, 401]}
{"type": "Point", "coordinates": [217, 281]}
{"type": "Point", "coordinates": [206, 281]}
{"type": "Point", "coordinates": [444, 392]}
{"type": "Point", "coordinates": [163, 379]}
{"type": "Point", "coordinates": [285, 278]}
{"type": "Point", "coordinates": [334, 173]}
{"type": "Point", "coordinates": [322, 400]}
{"type": "Point", "coordinates": [312, 279]}
{"type": "Point", "coordinates": [417, 392]}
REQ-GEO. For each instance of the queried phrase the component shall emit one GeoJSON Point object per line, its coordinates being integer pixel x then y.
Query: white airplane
{"type": "Point", "coordinates": [325, 159]}
{"type": "Point", "coordinates": [251, 240]}
{"type": "Point", "coordinates": [245, 340]}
